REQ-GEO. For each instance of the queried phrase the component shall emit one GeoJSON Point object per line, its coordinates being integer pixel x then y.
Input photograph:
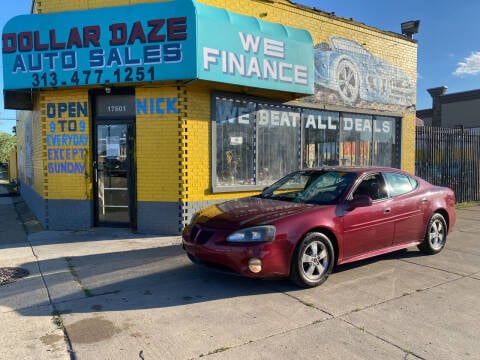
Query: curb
{"type": "Point", "coordinates": [28, 219]}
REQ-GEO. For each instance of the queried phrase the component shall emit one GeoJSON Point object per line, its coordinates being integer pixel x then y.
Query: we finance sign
{"type": "Point", "coordinates": [141, 43]}
{"type": "Point", "coordinates": [243, 50]}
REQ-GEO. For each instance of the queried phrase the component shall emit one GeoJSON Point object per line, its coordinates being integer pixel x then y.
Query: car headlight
{"type": "Point", "coordinates": [253, 234]}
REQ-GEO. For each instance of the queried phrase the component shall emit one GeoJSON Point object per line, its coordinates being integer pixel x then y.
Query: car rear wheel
{"type": "Point", "coordinates": [435, 236]}
{"type": "Point", "coordinates": [312, 260]}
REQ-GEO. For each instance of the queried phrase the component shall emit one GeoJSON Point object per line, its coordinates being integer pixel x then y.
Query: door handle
{"type": "Point", "coordinates": [387, 211]}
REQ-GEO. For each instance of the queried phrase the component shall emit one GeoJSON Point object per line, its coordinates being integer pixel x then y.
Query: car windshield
{"type": "Point", "coordinates": [322, 187]}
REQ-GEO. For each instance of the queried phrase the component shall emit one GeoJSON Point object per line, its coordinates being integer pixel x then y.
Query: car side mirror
{"type": "Point", "coordinates": [359, 201]}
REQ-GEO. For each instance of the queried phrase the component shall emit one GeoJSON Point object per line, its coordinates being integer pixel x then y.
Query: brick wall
{"type": "Point", "coordinates": [173, 150]}
{"type": "Point", "coordinates": [408, 142]}
{"type": "Point", "coordinates": [30, 144]}
{"type": "Point", "coordinates": [159, 147]}
{"type": "Point", "coordinates": [66, 183]}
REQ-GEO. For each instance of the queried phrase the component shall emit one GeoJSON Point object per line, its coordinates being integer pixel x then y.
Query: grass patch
{"type": "Point", "coordinates": [57, 320]}
{"type": "Point", "coordinates": [219, 350]}
{"type": "Point", "coordinates": [216, 351]}
{"type": "Point", "coordinates": [408, 352]}
{"type": "Point", "coordinates": [307, 303]}
{"type": "Point", "coordinates": [74, 273]}
{"type": "Point", "coordinates": [466, 205]}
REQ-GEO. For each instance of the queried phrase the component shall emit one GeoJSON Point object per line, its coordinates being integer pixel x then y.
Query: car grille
{"type": "Point", "coordinates": [200, 236]}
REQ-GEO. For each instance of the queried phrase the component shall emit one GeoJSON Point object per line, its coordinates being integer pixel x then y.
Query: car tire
{"type": "Point", "coordinates": [348, 80]}
{"type": "Point", "coordinates": [312, 260]}
{"type": "Point", "coordinates": [435, 235]}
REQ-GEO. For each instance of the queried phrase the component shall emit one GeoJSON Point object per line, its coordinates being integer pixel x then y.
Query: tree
{"type": "Point", "coordinates": [7, 143]}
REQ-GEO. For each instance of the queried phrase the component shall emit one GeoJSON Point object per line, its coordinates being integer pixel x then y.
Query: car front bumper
{"type": "Point", "coordinates": [214, 252]}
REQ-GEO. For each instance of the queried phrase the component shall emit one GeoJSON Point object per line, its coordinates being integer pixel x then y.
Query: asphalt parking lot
{"type": "Point", "coordinates": [117, 295]}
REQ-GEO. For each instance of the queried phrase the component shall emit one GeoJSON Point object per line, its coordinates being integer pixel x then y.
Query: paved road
{"type": "Point", "coordinates": [125, 296]}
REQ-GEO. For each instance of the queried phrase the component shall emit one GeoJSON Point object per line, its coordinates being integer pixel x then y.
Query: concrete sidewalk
{"type": "Point", "coordinates": [25, 305]}
{"type": "Point", "coordinates": [111, 294]}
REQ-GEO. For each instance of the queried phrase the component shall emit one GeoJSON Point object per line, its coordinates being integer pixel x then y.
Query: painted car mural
{"type": "Point", "coordinates": [347, 68]}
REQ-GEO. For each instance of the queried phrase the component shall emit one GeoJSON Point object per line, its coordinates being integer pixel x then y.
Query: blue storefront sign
{"type": "Point", "coordinates": [154, 42]}
{"type": "Point", "coordinates": [141, 43]}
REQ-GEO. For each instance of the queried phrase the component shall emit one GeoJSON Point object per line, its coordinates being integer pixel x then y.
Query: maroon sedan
{"type": "Point", "coordinates": [313, 219]}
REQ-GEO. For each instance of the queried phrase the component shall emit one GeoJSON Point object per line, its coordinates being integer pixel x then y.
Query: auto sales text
{"type": "Point", "coordinates": [160, 40]}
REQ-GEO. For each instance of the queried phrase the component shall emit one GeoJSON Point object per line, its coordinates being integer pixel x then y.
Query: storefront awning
{"type": "Point", "coordinates": [177, 40]}
{"type": "Point", "coordinates": [243, 50]}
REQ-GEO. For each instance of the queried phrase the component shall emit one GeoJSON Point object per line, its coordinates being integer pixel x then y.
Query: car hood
{"type": "Point", "coordinates": [248, 212]}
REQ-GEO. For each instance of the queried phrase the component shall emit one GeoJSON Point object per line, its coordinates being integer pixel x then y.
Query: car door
{"type": "Point", "coordinates": [370, 228]}
{"type": "Point", "coordinates": [408, 207]}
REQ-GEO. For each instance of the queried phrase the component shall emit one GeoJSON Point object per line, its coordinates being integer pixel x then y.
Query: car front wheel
{"type": "Point", "coordinates": [312, 260]}
{"type": "Point", "coordinates": [435, 236]}
{"type": "Point", "coordinates": [348, 80]}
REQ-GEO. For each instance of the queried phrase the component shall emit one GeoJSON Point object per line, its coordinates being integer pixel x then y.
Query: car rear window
{"type": "Point", "coordinates": [400, 184]}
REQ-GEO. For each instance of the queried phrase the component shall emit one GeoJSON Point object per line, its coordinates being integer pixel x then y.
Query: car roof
{"type": "Point", "coordinates": [357, 169]}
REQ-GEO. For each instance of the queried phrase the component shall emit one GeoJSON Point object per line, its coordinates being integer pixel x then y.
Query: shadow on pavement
{"type": "Point", "coordinates": [148, 278]}
{"type": "Point", "coordinates": [128, 280]}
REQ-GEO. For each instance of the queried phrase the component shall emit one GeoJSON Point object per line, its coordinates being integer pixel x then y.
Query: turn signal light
{"type": "Point", "coordinates": [255, 265]}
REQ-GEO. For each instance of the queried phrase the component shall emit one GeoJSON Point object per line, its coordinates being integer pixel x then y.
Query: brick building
{"type": "Point", "coordinates": [453, 110]}
{"type": "Point", "coordinates": [138, 113]}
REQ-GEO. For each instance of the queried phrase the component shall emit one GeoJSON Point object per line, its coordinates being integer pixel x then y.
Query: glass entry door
{"type": "Point", "coordinates": [114, 175]}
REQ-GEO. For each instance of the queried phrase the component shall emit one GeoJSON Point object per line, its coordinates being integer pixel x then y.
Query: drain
{"type": "Point", "coordinates": [11, 274]}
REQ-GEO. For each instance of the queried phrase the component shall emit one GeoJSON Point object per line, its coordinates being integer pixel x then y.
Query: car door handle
{"type": "Point", "coordinates": [387, 211]}
{"type": "Point", "coordinates": [423, 201]}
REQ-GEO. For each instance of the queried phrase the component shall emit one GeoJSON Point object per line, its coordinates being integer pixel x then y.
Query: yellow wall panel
{"type": "Point", "coordinates": [158, 147]}
{"type": "Point", "coordinates": [66, 144]}
{"type": "Point", "coordinates": [408, 142]}
{"type": "Point", "coordinates": [50, 6]}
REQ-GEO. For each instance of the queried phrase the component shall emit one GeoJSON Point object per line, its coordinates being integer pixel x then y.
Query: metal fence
{"type": "Point", "coordinates": [450, 157]}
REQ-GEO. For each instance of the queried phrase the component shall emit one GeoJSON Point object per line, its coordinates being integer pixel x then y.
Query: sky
{"type": "Point", "coordinates": [448, 55]}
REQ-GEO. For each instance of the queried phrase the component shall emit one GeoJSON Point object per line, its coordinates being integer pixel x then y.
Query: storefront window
{"type": "Point", "coordinates": [278, 139]}
{"type": "Point", "coordinates": [384, 146]}
{"type": "Point", "coordinates": [256, 143]}
{"type": "Point", "coordinates": [356, 138]}
{"type": "Point", "coordinates": [320, 138]}
{"type": "Point", "coordinates": [235, 129]}
{"type": "Point", "coordinates": [367, 140]}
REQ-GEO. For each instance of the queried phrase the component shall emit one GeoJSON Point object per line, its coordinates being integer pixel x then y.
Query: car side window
{"type": "Point", "coordinates": [400, 184]}
{"type": "Point", "coordinates": [373, 186]}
